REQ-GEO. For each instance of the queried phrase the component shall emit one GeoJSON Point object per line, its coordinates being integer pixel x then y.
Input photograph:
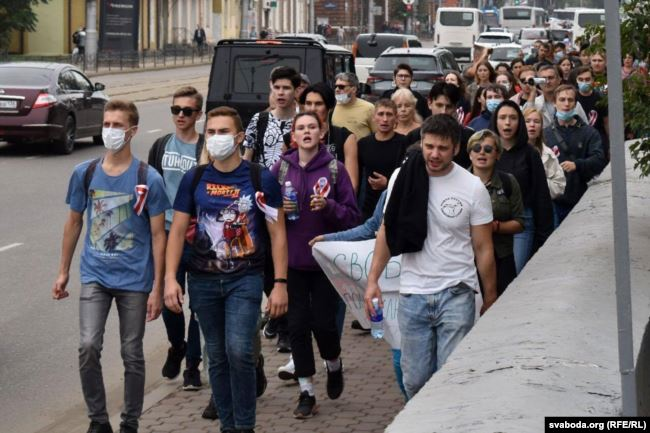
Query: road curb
{"type": "Point", "coordinates": [128, 71]}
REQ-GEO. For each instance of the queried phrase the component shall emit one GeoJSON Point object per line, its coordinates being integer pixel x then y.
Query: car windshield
{"type": "Point", "coordinates": [373, 47]}
{"type": "Point", "coordinates": [456, 18]}
{"type": "Point", "coordinates": [251, 74]}
{"type": "Point", "coordinates": [594, 18]}
{"type": "Point", "coordinates": [564, 15]}
{"type": "Point", "coordinates": [504, 53]}
{"type": "Point", "coordinates": [23, 76]}
{"type": "Point", "coordinates": [559, 35]}
{"type": "Point", "coordinates": [516, 14]}
{"type": "Point", "coordinates": [494, 39]}
{"type": "Point", "coordinates": [418, 63]}
{"type": "Point", "coordinates": [533, 34]}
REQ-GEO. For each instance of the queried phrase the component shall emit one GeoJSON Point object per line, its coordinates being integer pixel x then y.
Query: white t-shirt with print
{"type": "Point", "coordinates": [457, 201]}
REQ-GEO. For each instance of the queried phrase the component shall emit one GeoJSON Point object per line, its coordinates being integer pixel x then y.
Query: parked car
{"type": "Point", "coordinates": [429, 65]}
{"type": "Point", "coordinates": [492, 39]}
{"type": "Point", "coordinates": [368, 46]}
{"type": "Point", "coordinates": [49, 102]}
{"type": "Point", "coordinates": [505, 53]}
{"type": "Point", "coordinates": [528, 36]}
{"type": "Point", "coordinates": [241, 69]}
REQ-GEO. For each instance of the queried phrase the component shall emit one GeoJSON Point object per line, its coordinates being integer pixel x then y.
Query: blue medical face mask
{"type": "Point", "coordinates": [584, 87]}
{"type": "Point", "coordinates": [565, 116]}
{"type": "Point", "coordinates": [492, 104]}
{"type": "Point", "coordinates": [559, 56]}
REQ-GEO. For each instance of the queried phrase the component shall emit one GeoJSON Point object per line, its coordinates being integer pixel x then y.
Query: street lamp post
{"type": "Point", "coordinates": [90, 52]}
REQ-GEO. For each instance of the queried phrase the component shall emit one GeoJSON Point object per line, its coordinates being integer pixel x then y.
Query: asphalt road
{"type": "Point", "coordinates": [39, 381]}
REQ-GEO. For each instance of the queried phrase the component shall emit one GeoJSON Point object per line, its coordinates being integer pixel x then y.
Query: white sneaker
{"type": "Point", "coordinates": [288, 371]}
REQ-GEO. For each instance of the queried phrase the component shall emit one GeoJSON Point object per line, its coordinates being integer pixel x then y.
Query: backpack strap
{"type": "Point", "coordinates": [199, 147]}
{"type": "Point", "coordinates": [157, 152]}
{"type": "Point", "coordinates": [334, 170]}
{"type": "Point", "coordinates": [88, 175]}
{"type": "Point", "coordinates": [198, 174]}
{"type": "Point", "coordinates": [282, 172]}
{"type": "Point", "coordinates": [506, 181]}
{"type": "Point", "coordinates": [256, 176]}
{"type": "Point", "coordinates": [258, 150]}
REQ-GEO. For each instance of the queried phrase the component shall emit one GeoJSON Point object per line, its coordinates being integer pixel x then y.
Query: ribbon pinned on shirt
{"type": "Point", "coordinates": [322, 187]}
{"type": "Point", "coordinates": [270, 213]}
{"type": "Point", "coordinates": [141, 192]}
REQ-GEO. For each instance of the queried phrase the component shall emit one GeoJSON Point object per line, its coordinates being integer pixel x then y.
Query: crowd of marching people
{"type": "Point", "coordinates": [465, 183]}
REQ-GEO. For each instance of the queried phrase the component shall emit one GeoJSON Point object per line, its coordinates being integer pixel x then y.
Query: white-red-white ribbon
{"type": "Point", "coordinates": [460, 114]}
{"type": "Point", "coordinates": [593, 116]}
{"type": "Point", "coordinates": [141, 192]}
{"type": "Point", "coordinates": [270, 213]}
{"type": "Point", "coordinates": [322, 187]}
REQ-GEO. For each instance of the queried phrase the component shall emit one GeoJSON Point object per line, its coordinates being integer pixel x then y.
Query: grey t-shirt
{"type": "Point", "coordinates": [178, 159]}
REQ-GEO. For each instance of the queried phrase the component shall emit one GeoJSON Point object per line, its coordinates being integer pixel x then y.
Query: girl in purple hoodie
{"type": "Point", "coordinates": [325, 203]}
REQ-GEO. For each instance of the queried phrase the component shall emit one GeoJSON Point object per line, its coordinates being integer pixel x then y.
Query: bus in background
{"type": "Point", "coordinates": [584, 17]}
{"type": "Point", "coordinates": [515, 18]}
{"type": "Point", "coordinates": [457, 29]}
{"type": "Point", "coordinates": [490, 17]}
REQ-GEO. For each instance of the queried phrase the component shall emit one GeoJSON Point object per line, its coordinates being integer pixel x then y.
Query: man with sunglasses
{"type": "Point", "coordinates": [173, 155]}
{"type": "Point", "coordinates": [352, 112]}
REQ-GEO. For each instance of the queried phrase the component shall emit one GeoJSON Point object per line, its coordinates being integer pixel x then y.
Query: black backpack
{"type": "Point", "coordinates": [258, 146]}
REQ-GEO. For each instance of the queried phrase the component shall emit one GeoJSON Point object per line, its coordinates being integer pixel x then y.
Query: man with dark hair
{"type": "Point", "coordinates": [593, 102]}
{"type": "Point", "coordinates": [542, 58]}
{"type": "Point", "coordinates": [173, 155]}
{"type": "Point", "coordinates": [264, 143]}
{"type": "Point", "coordinates": [545, 102]}
{"type": "Point", "coordinates": [122, 260]}
{"type": "Point", "coordinates": [443, 99]}
{"type": "Point", "coordinates": [494, 95]}
{"type": "Point", "coordinates": [403, 76]}
{"type": "Point", "coordinates": [379, 154]}
{"type": "Point", "coordinates": [578, 147]}
{"type": "Point", "coordinates": [448, 213]}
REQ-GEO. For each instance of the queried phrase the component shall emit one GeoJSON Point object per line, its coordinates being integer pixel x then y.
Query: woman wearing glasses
{"type": "Point", "coordinates": [484, 149]}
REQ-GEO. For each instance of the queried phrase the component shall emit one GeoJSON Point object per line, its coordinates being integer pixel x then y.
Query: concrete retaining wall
{"type": "Point", "coordinates": [549, 347]}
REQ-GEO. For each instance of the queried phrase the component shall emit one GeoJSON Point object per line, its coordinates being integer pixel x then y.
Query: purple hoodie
{"type": "Point", "coordinates": [341, 212]}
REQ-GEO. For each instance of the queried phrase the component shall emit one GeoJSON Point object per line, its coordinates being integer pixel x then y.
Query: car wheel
{"type": "Point", "coordinates": [65, 145]}
{"type": "Point", "coordinates": [98, 140]}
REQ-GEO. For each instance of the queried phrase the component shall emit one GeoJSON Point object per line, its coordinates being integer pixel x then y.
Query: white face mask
{"type": "Point", "coordinates": [220, 147]}
{"type": "Point", "coordinates": [506, 86]}
{"type": "Point", "coordinates": [342, 98]}
{"type": "Point", "coordinates": [114, 138]}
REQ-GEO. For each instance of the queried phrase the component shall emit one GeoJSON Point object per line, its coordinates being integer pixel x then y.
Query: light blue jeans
{"type": "Point", "coordinates": [523, 242]}
{"type": "Point", "coordinates": [431, 327]}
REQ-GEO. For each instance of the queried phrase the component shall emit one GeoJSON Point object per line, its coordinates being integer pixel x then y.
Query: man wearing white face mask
{"type": "Point", "coordinates": [235, 203]}
{"type": "Point", "coordinates": [122, 259]}
{"type": "Point", "coordinates": [351, 112]}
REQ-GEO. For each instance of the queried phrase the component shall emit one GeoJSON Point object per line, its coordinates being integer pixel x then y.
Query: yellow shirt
{"type": "Point", "coordinates": [356, 116]}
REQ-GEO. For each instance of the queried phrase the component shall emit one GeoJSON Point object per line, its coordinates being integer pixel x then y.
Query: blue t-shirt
{"type": "Point", "coordinates": [178, 159]}
{"type": "Point", "coordinates": [117, 251]}
{"type": "Point", "coordinates": [229, 231]}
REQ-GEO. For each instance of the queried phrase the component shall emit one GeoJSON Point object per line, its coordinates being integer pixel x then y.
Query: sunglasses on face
{"type": "Point", "coordinates": [487, 148]}
{"type": "Point", "coordinates": [341, 86]}
{"type": "Point", "coordinates": [187, 111]}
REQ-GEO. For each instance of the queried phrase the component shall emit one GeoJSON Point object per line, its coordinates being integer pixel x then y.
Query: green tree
{"type": "Point", "coordinates": [16, 15]}
{"type": "Point", "coordinates": [635, 40]}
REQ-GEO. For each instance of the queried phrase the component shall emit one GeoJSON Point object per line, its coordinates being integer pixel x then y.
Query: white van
{"type": "Point", "coordinates": [584, 17]}
{"type": "Point", "coordinates": [457, 29]}
{"type": "Point", "coordinates": [516, 18]}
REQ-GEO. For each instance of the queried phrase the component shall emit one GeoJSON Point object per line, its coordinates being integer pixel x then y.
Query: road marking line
{"type": "Point", "coordinates": [8, 247]}
{"type": "Point", "coordinates": [151, 131]}
{"type": "Point", "coordinates": [33, 157]}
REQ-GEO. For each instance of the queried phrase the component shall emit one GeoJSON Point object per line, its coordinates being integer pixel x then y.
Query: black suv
{"type": "Point", "coordinates": [241, 69]}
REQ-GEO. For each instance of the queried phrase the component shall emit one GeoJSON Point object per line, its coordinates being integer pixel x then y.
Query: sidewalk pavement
{"type": "Point", "coordinates": [368, 404]}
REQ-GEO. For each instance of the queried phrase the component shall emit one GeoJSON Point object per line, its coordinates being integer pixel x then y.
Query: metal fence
{"type": "Point", "coordinates": [107, 61]}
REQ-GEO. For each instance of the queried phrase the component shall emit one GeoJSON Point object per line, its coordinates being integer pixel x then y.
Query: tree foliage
{"type": "Point", "coordinates": [16, 15]}
{"type": "Point", "coordinates": [635, 40]}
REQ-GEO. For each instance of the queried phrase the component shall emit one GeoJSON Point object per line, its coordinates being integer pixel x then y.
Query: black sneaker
{"type": "Point", "coordinates": [335, 382]}
{"type": "Point", "coordinates": [307, 406]}
{"type": "Point", "coordinates": [192, 379]}
{"type": "Point", "coordinates": [271, 329]}
{"type": "Point", "coordinates": [210, 412]}
{"type": "Point", "coordinates": [97, 427]}
{"type": "Point", "coordinates": [127, 429]}
{"type": "Point", "coordinates": [172, 367]}
{"type": "Point", "coordinates": [357, 325]}
{"type": "Point", "coordinates": [283, 344]}
{"type": "Point", "coordinates": [260, 377]}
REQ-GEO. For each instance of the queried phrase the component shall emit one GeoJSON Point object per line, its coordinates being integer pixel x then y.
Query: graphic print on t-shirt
{"type": "Point", "coordinates": [109, 232]}
{"type": "Point", "coordinates": [226, 234]}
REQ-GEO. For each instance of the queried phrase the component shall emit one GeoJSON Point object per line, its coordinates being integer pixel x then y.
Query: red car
{"type": "Point", "coordinates": [49, 102]}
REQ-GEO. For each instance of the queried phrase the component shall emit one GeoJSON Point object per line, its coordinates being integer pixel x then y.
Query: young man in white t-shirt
{"type": "Point", "coordinates": [439, 275]}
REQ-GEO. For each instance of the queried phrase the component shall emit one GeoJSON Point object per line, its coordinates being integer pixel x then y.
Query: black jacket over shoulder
{"type": "Point", "coordinates": [158, 150]}
{"type": "Point", "coordinates": [581, 144]}
{"type": "Point", "coordinates": [525, 163]}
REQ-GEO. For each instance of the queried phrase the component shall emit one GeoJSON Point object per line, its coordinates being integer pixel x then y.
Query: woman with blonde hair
{"type": "Point", "coordinates": [407, 118]}
{"type": "Point", "coordinates": [554, 173]}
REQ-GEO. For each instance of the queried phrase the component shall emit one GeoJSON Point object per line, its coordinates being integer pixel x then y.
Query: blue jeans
{"type": "Point", "coordinates": [523, 242]}
{"type": "Point", "coordinates": [431, 328]}
{"type": "Point", "coordinates": [175, 323]}
{"type": "Point", "coordinates": [228, 310]}
{"type": "Point", "coordinates": [397, 356]}
{"type": "Point", "coordinates": [560, 212]}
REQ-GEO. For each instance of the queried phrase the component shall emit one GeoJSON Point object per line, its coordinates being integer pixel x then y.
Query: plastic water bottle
{"type": "Point", "coordinates": [292, 195]}
{"type": "Point", "coordinates": [377, 321]}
